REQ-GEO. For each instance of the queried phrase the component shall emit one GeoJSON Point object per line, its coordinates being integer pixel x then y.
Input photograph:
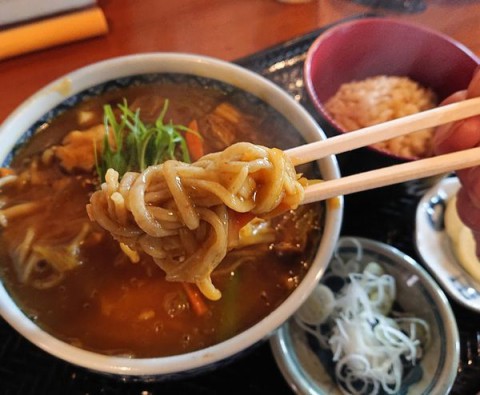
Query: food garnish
{"type": "Point", "coordinates": [371, 344]}
{"type": "Point", "coordinates": [130, 144]}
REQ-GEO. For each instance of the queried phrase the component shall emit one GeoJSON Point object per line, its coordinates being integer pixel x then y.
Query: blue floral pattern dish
{"type": "Point", "coordinates": [303, 362]}
{"type": "Point", "coordinates": [433, 245]}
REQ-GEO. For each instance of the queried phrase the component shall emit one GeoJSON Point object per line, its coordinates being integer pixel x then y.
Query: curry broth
{"type": "Point", "coordinates": [108, 304]}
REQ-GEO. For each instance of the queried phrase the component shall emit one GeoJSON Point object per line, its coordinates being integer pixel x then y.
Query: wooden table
{"type": "Point", "coordinates": [226, 29]}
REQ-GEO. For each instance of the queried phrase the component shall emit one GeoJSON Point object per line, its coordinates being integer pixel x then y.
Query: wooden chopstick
{"type": "Point", "coordinates": [392, 175]}
{"type": "Point", "coordinates": [384, 131]}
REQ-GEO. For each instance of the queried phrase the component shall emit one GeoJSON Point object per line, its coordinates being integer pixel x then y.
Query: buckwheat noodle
{"type": "Point", "coordinates": [181, 214]}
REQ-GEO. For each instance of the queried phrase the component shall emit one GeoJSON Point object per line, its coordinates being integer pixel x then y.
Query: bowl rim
{"type": "Point", "coordinates": [285, 354]}
{"type": "Point", "coordinates": [88, 76]}
{"type": "Point", "coordinates": [307, 67]}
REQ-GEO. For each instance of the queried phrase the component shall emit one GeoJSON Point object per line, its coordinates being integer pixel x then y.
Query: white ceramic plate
{"type": "Point", "coordinates": [434, 247]}
{"type": "Point", "coordinates": [304, 365]}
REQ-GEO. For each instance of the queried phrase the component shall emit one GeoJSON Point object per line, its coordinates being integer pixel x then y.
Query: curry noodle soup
{"type": "Point", "coordinates": [74, 280]}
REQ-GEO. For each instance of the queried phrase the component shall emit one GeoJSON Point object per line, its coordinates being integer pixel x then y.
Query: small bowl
{"type": "Point", "coordinates": [296, 352]}
{"type": "Point", "coordinates": [356, 50]}
{"type": "Point", "coordinates": [120, 72]}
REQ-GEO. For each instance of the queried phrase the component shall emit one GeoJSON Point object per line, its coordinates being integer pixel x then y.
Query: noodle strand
{"type": "Point", "coordinates": [177, 212]}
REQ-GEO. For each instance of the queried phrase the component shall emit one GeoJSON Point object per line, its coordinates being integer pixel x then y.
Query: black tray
{"type": "Point", "coordinates": [386, 215]}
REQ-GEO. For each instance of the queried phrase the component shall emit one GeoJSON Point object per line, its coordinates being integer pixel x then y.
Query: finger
{"type": "Point", "coordinates": [473, 89]}
{"type": "Point", "coordinates": [467, 210]}
{"type": "Point", "coordinates": [455, 97]}
{"type": "Point", "coordinates": [457, 136]}
{"type": "Point", "coordinates": [445, 136]}
{"type": "Point", "coordinates": [470, 179]}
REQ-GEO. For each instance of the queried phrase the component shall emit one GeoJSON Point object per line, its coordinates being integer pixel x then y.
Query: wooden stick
{"type": "Point", "coordinates": [384, 131]}
{"type": "Point", "coordinates": [393, 175]}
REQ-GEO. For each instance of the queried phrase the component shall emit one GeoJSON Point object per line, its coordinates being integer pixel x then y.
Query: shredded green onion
{"type": "Point", "coordinates": [130, 144]}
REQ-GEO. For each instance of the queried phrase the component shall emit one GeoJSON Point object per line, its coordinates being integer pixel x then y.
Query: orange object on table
{"type": "Point", "coordinates": [52, 31]}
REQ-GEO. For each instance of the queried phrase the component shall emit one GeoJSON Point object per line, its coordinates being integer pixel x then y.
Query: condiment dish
{"type": "Point", "coordinates": [307, 368]}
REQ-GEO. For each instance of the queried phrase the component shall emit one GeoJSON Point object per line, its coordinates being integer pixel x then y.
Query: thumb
{"type": "Point", "coordinates": [473, 89]}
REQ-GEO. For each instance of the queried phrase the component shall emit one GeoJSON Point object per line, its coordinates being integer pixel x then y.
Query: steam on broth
{"type": "Point", "coordinates": [77, 282]}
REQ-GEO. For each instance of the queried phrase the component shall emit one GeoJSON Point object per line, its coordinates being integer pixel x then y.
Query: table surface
{"type": "Point", "coordinates": [225, 29]}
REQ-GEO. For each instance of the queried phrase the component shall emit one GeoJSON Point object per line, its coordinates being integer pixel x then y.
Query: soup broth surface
{"type": "Point", "coordinates": [110, 305]}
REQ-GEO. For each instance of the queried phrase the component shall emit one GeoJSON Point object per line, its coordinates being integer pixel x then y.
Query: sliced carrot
{"type": "Point", "coordinates": [196, 300]}
{"type": "Point", "coordinates": [194, 141]}
{"type": "Point", "coordinates": [5, 171]}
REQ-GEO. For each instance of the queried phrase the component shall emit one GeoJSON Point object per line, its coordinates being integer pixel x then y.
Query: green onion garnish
{"type": "Point", "coordinates": [131, 145]}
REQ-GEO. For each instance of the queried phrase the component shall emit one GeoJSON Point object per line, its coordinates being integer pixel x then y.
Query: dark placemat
{"type": "Point", "coordinates": [386, 214]}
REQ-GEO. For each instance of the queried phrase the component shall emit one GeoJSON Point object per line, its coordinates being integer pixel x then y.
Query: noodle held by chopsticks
{"type": "Point", "coordinates": [180, 213]}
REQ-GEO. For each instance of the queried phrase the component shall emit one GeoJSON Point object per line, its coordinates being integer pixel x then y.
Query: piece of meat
{"type": "Point", "coordinates": [78, 148]}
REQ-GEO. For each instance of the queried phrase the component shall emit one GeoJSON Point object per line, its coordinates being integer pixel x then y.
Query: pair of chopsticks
{"type": "Point", "coordinates": [393, 174]}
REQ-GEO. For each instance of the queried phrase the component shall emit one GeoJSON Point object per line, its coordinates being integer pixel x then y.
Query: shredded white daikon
{"type": "Point", "coordinates": [370, 348]}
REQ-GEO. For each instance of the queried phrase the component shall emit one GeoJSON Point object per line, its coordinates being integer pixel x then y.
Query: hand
{"type": "Point", "coordinates": [458, 136]}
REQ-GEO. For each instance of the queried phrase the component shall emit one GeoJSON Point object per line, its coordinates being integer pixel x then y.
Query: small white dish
{"type": "Point", "coordinates": [434, 248]}
{"type": "Point", "coordinates": [305, 366]}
